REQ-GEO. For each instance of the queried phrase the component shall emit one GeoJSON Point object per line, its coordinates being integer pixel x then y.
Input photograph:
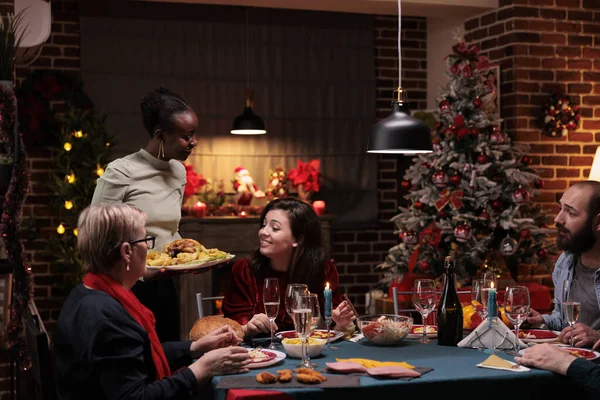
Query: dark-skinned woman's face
{"type": "Point", "coordinates": [181, 140]}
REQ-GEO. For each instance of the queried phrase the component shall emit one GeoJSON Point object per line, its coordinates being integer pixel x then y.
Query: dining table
{"type": "Point", "coordinates": [454, 374]}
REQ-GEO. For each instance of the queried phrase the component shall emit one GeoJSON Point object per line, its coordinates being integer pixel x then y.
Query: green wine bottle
{"type": "Point", "coordinates": [450, 316]}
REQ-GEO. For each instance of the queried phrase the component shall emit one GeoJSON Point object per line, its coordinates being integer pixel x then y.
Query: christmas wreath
{"type": "Point", "coordinates": [560, 116]}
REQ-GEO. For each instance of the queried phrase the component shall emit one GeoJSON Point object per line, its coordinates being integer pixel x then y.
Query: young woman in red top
{"type": "Point", "coordinates": [291, 250]}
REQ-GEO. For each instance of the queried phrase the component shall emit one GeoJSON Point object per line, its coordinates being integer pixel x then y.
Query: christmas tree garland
{"type": "Point", "coordinates": [12, 212]}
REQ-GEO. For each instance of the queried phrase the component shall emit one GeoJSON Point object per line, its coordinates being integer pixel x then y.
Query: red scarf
{"type": "Point", "coordinates": [141, 314]}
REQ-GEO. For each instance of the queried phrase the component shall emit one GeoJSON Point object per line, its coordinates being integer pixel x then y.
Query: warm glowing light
{"type": "Point", "coordinates": [60, 229]}
{"type": "Point", "coordinates": [68, 204]}
{"type": "Point", "coordinates": [75, 231]}
{"type": "Point", "coordinates": [327, 286]}
{"type": "Point", "coordinates": [70, 178]}
{"type": "Point", "coordinates": [107, 144]}
{"type": "Point", "coordinates": [243, 214]}
{"type": "Point", "coordinates": [68, 146]}
{"type": "Point", "coordinates": [99, 170]}
{"type": "Point", "coordinates": [491, 285]}
{"type": "Point", "coordinates": [78, 134]}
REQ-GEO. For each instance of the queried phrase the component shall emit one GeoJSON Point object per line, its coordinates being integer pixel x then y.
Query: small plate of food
{"type": "Point", "coordinates": [538, 336]}
{"type": "Point", "coordinates": [261, 358]}
{"type": "Point", "coordinates": [577, 352]}
{"type": "Point", "coordinates": [416, 332]}
{"type": "Point", "coordinates": [316, 334]}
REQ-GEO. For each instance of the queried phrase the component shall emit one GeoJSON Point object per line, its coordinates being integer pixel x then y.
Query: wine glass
{"type": "Point", "coordinates": [424, 300]}
{"type": "Point", "coordinates": [302, 316]}
{"type": "Point", "coordinates": [271, 302]}
{"type": "Point", "coordinates": [570, 307]}
{"type": "Point", "coordinates": [290, 292]}
{"type": "Point", "coordinates": [489, 282]}
{"type": "Point", "coordinates": [315, 318]}
{"type": "Point", "coordinates": [516, 305]}
{"type": "Point", "coordinates": [476, 286]}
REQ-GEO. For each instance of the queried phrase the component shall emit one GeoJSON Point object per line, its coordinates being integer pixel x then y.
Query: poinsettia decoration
{"type": "Point", "coordinates": [194, 182]}
{"type": "Point", "coordinates": [306, 175]}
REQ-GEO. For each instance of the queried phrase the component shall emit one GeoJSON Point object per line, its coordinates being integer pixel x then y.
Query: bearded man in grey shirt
{"type": "Point", "coordinates": [578, 225]}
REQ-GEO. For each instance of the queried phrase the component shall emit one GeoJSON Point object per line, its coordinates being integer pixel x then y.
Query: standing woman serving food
{"type": "Point", "coordinates": [153, 180]}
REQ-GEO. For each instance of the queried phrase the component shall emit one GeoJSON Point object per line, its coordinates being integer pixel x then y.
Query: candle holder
{"type": "Point", "coordinates": [329, 346]}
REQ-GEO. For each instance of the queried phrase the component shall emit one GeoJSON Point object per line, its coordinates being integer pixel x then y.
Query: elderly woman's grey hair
{"type": "Point", "coordinates": [102, 229]}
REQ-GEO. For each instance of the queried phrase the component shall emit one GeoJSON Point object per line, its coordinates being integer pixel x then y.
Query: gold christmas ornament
{"type": "Point", "coordinates": [68, 146]}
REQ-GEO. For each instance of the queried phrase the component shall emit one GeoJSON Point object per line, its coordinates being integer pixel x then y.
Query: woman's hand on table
{"type": "Point", "coordinates": [226, 361]}
{"type": "Point", "coordinates": [582, 335]}
{"type": "Point", "coordinates": [220, 337]}
{"type": "Point", "coordinates": [547, 356]}
{"type": "Point", "coordinates": [258, 324]}
{"type": "Point", "coordinates": [343, 314]}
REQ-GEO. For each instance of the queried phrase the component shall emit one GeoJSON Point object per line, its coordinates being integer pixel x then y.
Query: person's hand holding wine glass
{"type": "Point", "coordinates": [271, 301]}
{"type": "Point", "coordinates": [570, 308]}
{"type": "Point", "coordinates": [424, 300]}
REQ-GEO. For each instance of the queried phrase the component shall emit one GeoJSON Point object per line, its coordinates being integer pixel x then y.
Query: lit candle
{"type": "Point", "coordinates": [319, 207]}
{"type": "Point", "coordinates": [243, 214]}
{"type": "Point", "coordinates": [492, 306]}
{"type": "Point", "coordinates": [327, 294]}
{"type": "Point", "coordinates": [200, 210]}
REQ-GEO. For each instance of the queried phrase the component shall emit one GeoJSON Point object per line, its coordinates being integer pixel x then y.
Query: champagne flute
{"type": "Point", "coordinates": [302, 316]}
{"type": "Point", "coordinates": [570, 307]}
{"type": "Point", "coordinates": [476, 297]}
{"type": "Point", "coordinates": [516, 305]}
{"type": "Point", "coordinates": [424, 300]}
{"type": "Point", "coordinates": [315, 318]}
{"type": "Point", "coordinates": [271, 301]}
{"type": "Point", "coordinates": [291, 291]}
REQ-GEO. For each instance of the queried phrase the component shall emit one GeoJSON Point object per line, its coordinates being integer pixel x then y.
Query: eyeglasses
{"type": "Point", "coordinates": [148, 239]}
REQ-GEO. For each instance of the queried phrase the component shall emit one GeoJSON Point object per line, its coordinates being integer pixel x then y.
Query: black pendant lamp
{"type": "Point", "coordinates": [400, 133]}
{"type": "Point", "coordinates": [248, 123]}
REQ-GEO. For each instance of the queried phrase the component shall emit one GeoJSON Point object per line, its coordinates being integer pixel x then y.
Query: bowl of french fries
{"type": "Point", "coordinates": [293, 347]}
{"type": "Point", "coordinates": [184, 252]}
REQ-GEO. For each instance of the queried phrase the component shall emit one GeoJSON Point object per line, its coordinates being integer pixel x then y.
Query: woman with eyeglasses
{"type": "Point", "coordinates": [153, 180]}
{"type": "Point", "coordinates": [105, 342]}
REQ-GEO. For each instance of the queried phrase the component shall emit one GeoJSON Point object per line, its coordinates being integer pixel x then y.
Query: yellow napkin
{"type": "Point", "coordinates": [372, 363]}
{"type": "Point", "coordinates": [495, 362]}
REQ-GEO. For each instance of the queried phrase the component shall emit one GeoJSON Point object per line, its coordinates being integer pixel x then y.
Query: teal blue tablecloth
{"type": "Point", "coordinates": [454, 373]}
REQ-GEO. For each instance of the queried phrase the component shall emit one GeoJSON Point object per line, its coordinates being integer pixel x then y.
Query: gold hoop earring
{"type": "Point", "coordinates": [161, 150]}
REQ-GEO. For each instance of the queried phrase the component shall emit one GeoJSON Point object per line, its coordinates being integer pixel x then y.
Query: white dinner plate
{"type": "Point", "coordinates": [583, 353]}
{"type": "Point", "coordinates": [279, 356]}
{"type": "Point", "coordinates": [191, 265]}
{"type": "Point", "coordinates": [292, 334]}
{"type": "Point", "coordinates": [538, 336]}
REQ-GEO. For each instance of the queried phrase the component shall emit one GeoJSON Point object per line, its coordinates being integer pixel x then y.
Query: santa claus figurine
{"type": "Point", "coordinates": [245, 187]}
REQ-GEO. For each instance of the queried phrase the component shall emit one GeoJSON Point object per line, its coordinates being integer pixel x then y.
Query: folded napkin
{"type": "Point", "coordinates": [356, 337]}
{"type": "Point", "coordinates": [483, 337]}
{"type": "Point", "coordinates": [495, 362]}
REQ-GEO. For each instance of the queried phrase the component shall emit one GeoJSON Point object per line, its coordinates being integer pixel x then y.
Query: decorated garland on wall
{"type": "Point", "coordinates": [560, 116]}
{"type": "Point", "coordinates": [12, 212]}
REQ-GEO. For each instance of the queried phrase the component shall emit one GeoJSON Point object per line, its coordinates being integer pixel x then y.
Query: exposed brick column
{"type": "Point", "coordinates": [545, 47]}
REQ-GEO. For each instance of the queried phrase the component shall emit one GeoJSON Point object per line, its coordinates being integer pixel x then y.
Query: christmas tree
{"type": "Point", "coordinates": [470, 198]}
{"type": "Point", "coordinates": [82, 156]}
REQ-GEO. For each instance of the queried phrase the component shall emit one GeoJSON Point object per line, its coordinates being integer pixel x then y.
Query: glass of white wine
{"type": "Point", "coordinates": [302, 316]}
{"type": "Point", "coordinates": [570, 307]}
{"type": "Point", "coordinates": [271, 301]}
{"type": "Point", "coordinates": [516, 305]}
{"type": "Point", "coordinates": [292, 290]}
{"type": "Point", "coordinates": [315, 319]}
{"type": "Point", "coordinates": [424, 300]}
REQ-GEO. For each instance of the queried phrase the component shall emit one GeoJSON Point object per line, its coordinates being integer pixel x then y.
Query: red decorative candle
{"type": "Point", "coordinates": [200, 210]}
{"type": "Point", "coordinates": [319, 207]}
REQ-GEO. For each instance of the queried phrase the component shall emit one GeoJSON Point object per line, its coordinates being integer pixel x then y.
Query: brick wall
{"type": "Point", "coordinates": [546, 46]}
{"type": "Point", "coordinates": [357, 253]}
{"type": "Point", "coordinates": [60, 52]}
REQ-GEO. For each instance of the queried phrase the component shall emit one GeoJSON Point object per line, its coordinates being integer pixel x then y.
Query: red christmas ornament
{"type": "Point", "coordinates": [542, 254]}
{"type": "Point", "coordinates": [425, 165]}
{"type": "Point", "coordinates": [477, 102]}
{"type": "Point", "coordinates": [497, 137]}
{"type": "Point", "coordinates": [462, 133]}
{"type": "Point", "coordinates": [496, 204]}
{"type": "Point", "coordinates": [538, 183]}
{"type": "Point", "coordinates": [484, 215]}
{"type": "Point", "coordinates": [527, 160]}
{"type": "Point", "coordinates": [424, 265]}
{"type": "Point", "coordinates": [418, 205]}
{"type": "Point", "coordinates": [455, 179]}
{"type": "Point", "coordinates": [520, 196]}
{"type": "Point", "coordinates": [474, 131]}
{"type": "Point", "coordinates": [482, 159]}
{"type": "Point", "coordinates": [439, 178]}
{"type": "Point", "coordinates": [444, 105]}
{"type": "Point", "coordinates": [410, 238]}
{"type": "Point", "coordinates": [525, 233]}
{"type": "Point", "coordinates": [406, 184]}
{"type": "Point", "coordinates": [463, 233]}
{"type": "Point", "coordinates": [443, 214]}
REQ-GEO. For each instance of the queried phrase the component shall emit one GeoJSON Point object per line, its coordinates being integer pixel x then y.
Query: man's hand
{"type": "Point", "coordinates": [579, 335]}
{"type": "Point", "coordinates": [343, 314]}
{"type": "Point", "coordinates": [547, 356]}
{"type": "Point", "coordinates": [258, 324]}
{"type": "Point", "coordinates": [220, 337]}
{"type": "Point", "coordinates": [534, 318]}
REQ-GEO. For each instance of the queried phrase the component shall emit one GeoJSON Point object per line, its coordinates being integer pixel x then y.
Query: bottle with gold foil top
{"type": "Point", "coordinates": [450, 317]}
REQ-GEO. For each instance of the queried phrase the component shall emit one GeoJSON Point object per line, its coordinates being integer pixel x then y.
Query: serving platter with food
{"type": "Point", "coordinates": [317, 334]}
{"type": "Point", "coordinates": [185, 254]}
{"type": "Point", "coordinates": [261, 358]}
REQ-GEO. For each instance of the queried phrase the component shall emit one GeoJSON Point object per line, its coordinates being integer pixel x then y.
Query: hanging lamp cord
{"type": "Point", "coordinates": [399, 44]}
